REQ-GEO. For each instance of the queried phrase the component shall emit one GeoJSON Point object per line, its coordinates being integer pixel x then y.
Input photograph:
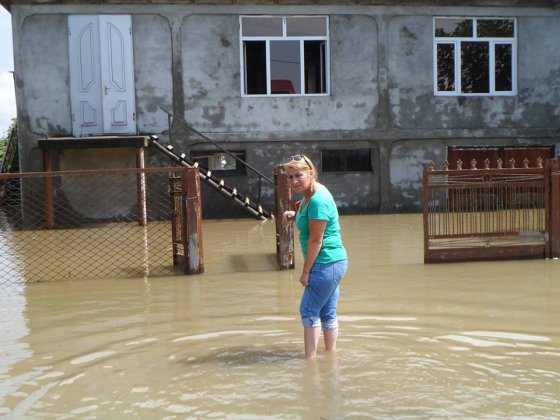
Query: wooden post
{"type": "Point", "coordinates": [552, 171]}
{"type": "Point", "coordinates": [426, 202]}
{"type": "Point", "coordinates": [191, 207]}
{"type": "Point", "coordinates": [176, 212]}
{"type": "Point", "coordinates": [141, 188]}
{"type": "Point", "coordinates": [284, 233]}
{"type": "Point", "coordinates": [49, 199]}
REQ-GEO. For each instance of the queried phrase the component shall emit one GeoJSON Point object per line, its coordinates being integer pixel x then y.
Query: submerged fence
{"type": "Point", "coordinates": [88, 224]}
{"type": "Point", "coordinates": [491, 213]}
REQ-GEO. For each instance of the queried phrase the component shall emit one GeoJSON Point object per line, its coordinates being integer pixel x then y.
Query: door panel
{"type": "Point", "coordinates": [117, 74]}
{"type": "Point", "coordinates": [102, 74]}
{"type": "Point", "coordinates": [85, 75]}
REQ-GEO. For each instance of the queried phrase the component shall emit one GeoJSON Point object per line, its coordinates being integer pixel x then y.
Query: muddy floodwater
{"type": "Point", "coordinates": [469, 340]}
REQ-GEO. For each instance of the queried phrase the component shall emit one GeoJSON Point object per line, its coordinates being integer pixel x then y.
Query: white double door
{"type": "Point", "coordinates": [101, 74]}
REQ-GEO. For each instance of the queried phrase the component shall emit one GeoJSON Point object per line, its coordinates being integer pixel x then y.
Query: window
{"type": "Point", "coordinates": [474, 56]}
{"type": "Point", "coordinates": [221, 164]}
{"type": "Point", "coordinates": [346, 160]}
{"type": "Point", "coordinates": [284, 55]}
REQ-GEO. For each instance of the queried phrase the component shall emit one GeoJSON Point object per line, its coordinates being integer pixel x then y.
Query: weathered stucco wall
{"type": "Point", "coordinates": [413, 103]}
{"type": "Point", "coordinates": [539, 72]}
{"type": "Point", "coordinates": [210, 51]}
{"type": "Point", "coordinates": [187, 59]}
{"type": "Point", "coordinates": [353, 192]}
{"type": "Point", "coordinates": [152, 71]}
{"type": "Point", "coordinates": [406, 171]}
{"type": "Point", "coordinates": [42, 83]}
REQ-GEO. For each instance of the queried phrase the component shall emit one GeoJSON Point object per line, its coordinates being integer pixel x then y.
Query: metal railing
{"type": "Point", "coordinates": [489, 213]}
{"type": "Point", "coordinates": [86, 224]}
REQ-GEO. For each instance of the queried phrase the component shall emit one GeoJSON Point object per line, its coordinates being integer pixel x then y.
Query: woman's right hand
{"type": "Point", "coordinates": [288, 216]}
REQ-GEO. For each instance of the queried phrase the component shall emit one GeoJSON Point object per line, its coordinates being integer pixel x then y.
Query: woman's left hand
{"type": "Point", "coordinates": [304, 279]}
{"type": "Point", "coordinates": [288, 216]}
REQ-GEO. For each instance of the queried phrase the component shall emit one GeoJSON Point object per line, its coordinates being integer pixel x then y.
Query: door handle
{"type": "Point", "coordinates": [107, 87]}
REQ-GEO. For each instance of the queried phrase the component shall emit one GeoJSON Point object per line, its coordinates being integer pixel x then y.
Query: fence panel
{"type": "Point", "coordinates": [86, 224]}
{"type": "Point", "coordinates": [553, 205]}
{"type": "Point", "coordinates": [479, 214]}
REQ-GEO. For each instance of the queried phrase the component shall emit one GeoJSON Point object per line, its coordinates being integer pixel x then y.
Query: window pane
{"type": "Point", "coordinates": [346, 160]}
{"type": "Point", "coordinates": [454, 27]}
{"type": "Point", "coordinates": [255, 67]}
{"type": "Point", "coordinates": [221, 164]}
{"type": "Point", "coordinates": [503, 67]}
{"type": "Point", "coordinates": [261, 26]}
{"type": "Point", "coordinates": [495, 28]}
{"type": "Point", "coordinates": [475, 75]}
{"type": "Point", "coordinates": [306, 26]}
{"type": "Point", "coordinates": [285, 67]}
{"type": "Point", "coordinates": [446, 67]}
{"type": "Point", "coordinates": [315, 71]}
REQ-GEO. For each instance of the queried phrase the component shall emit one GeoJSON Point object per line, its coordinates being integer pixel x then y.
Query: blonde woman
{"type": "Point", "coordinates": [325, 256]}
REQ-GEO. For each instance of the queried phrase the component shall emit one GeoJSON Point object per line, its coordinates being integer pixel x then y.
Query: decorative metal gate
{"type": "Point", "coordinates": [491, 213]}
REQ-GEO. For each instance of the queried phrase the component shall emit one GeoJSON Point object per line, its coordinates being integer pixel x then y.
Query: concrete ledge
{"type": "Point", "coordinates": [93, 142]}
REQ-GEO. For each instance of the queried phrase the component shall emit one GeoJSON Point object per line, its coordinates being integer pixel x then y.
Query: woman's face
{"type": "Point", "coordinates": [300, 181]}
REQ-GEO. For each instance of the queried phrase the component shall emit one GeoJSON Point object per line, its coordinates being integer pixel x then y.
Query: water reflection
{"type": "Point", "coordinates": [417, 341]}
{"type": "Point", "coordinates": [13, 348]}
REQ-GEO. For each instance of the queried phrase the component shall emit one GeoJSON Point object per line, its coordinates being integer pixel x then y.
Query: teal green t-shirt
{"type": "Point", "coordinates": [321, 207]}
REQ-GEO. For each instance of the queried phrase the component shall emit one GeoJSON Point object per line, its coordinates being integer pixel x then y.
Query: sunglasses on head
{"type": "Point", "coordinates": [297, 158]}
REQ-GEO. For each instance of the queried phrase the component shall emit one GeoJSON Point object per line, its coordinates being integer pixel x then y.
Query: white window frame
{"type": "Point", "coordinates": [492, 42]}
{"type": "Point", "coordinates": [284, 37]}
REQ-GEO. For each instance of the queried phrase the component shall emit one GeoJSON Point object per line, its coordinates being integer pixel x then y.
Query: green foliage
{"type": "Point", "coordinates": [3, 147]}
{"type": "Point", "coordinates": [12, 131]}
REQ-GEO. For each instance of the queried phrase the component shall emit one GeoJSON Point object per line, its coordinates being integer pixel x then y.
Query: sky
{"type": "Point", "coordinates": [7, 96]}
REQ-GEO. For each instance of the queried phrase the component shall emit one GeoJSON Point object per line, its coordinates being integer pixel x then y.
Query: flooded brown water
{"type": "Point", "coordinates": [473, 340]}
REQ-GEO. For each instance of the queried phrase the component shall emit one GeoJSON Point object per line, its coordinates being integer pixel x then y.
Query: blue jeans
{"type": "Point", "coordinates": [318, 303]}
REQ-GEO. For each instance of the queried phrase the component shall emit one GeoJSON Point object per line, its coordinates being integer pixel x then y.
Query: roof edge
{"type": "Point", "coordinates": [555, 4]}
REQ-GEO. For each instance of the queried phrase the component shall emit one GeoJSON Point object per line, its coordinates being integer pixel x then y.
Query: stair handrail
{"type": "Point", "coordinates": [218, 185]}
{"type": "Point", "coordinates": [198, 133]}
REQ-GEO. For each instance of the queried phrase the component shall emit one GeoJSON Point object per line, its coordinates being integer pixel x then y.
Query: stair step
{"type": "Point", "coordinates": [217, 184]}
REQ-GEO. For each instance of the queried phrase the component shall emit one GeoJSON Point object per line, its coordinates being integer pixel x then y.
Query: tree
{"type": "Point", "coordinates": [4, 140]}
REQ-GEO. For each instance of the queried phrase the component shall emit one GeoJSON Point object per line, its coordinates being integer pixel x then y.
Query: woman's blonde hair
{"type": "Point", "coordinates": [301, 162]}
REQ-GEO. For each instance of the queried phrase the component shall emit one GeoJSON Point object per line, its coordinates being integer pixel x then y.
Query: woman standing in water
{"type": "Point", "coordinates": [325, 257]}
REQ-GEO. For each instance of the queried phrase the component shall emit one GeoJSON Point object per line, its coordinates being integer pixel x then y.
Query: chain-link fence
{"type": "Point", "coordinates": [86, 224]}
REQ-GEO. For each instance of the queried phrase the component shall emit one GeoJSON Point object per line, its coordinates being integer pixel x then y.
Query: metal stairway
{"type": "Point", "coordinates": [215, 183]}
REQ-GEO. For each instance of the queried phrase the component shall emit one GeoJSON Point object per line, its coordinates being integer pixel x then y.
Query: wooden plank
{"type": "Point", "coordinates": [87, 172]}
{"type": "Point", "coordinates": [92, 142]}
{"type": "Point", "coordinates": [192, 222]}
{"type": "Point", "coordinates": [284, 233]}
{"type": "Point", "coordinates": [141, 188]}
{"type": "Point", "coordinates": [554, 208]}
{"type": "Point", "coordinates": [485, 254]}
{"type": "Point", "coordinates": [49, 198]}
{"type": "Point", "coordinates": [426, 212]}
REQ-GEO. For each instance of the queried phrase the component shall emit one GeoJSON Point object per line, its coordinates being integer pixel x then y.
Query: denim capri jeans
{"type": "Point", "coordinates": [318, 303]}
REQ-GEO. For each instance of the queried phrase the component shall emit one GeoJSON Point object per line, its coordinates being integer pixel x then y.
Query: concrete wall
{"type": "Point", "coordinates": [187, 60]}
{"type": "Point", "coordinates": [414, 106]}
{"type": "Point", "coordinates": [152, 71]}
{"type": "Point", "coordinates": [210, 51]}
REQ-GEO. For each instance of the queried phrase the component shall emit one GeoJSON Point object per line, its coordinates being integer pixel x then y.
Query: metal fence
{"type": "Point", "coordinates": [490, 213]}
{"type": "Point", "coordinates": [86, 224]}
